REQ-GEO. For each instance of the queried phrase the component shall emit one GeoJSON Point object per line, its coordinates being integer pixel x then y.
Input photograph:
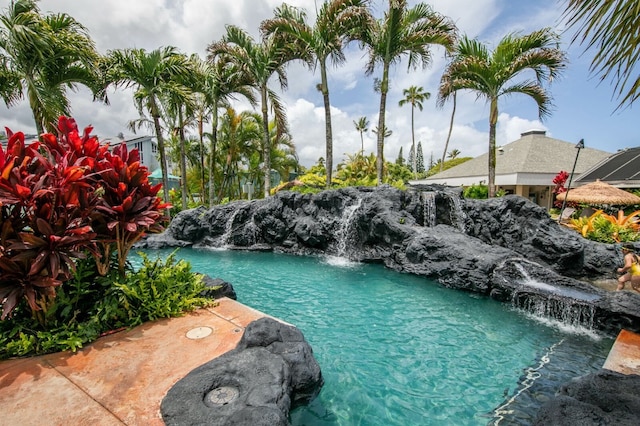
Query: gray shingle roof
{"type": "Point", "coordinates": [534, 152]}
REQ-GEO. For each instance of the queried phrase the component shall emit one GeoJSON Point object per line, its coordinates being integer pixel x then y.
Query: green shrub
{"type": "Point", "coordinates": [478, 191]}
{"type": "Point", "coordinates": [160, 290]}
{"type": "Point", "coordinates": [90, 305]}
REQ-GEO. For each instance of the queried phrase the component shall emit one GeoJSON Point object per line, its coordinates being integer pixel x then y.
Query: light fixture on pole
{"type": "Point", "coordinates": [579, 146]}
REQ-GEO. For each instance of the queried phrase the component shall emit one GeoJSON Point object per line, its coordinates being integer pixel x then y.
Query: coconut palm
{"type": "Point", "coordinates": [152, 75]}
{"type": "Point", "coordinates": [324, 41]}
{"type": "Point", "coordinates": [612, 28]}
{"type": "Point", "coordinates": [42, 56]}
{"type": "Point", "coordinates": [402, 31]}
{"type": "Point", "coordinates": [362, 126]}
{"type": "Point", "coordinates": [492, 75]}
{"type": "Point", "coordinates": [414, 96]}
{"type": "Point", "coordinates": [259, 61]}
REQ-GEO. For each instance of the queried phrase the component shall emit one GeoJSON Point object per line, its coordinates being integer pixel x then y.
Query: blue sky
{"type": "Point", "coordinates": [584, 108]}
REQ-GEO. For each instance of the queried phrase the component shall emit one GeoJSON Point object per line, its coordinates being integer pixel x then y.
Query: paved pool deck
{"type": "Point", "coordinates": [121, 379]}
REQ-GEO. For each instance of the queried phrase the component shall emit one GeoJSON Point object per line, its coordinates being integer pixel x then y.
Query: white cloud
{"type": "Point", "coordinates": [191, 25]}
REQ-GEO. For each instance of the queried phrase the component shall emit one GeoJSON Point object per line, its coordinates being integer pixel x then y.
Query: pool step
{"type": "Point", "coordinates": [624, 356]}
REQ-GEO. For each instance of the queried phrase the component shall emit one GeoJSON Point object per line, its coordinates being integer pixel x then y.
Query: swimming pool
{"type": "Point", "coordinates": [397, 349]}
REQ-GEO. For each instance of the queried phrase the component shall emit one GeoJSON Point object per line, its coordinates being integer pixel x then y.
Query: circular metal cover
{"type": "Point", "coordinates": [222, 395]}
{"type": "Point", "coordinates": [199, 333]}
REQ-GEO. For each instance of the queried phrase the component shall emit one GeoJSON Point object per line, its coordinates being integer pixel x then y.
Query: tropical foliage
{"type": "Point", "coordinates": [492, 75]}
{"type": "Point", "coordinates": [41, 56]}
{"type": "Point", "coordinates": [610, 27]}
{"type": "Point", "coordinates": [607, 228]}
{"type": "Point", "coordinates": [336, 21]}
{"type": "Point", "coordinates": [71, 210]}
{"type": "Point", "coordinates": [414, 96]}
{"type": "Point", "coordinates": [61, 199]}
{"type": "Point", "coordinates": [159, 73]}
{"type": "Point", "coordinates": [403, 31]}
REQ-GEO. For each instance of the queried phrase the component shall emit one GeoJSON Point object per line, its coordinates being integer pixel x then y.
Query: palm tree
{"type": "Point", "coordinates": [385, 131]}
{"type": "Point", "coordinates": [493, 74]}
{"type": "Point", "coordinates": [259, 61]}
{"type": "Point", "coordinates": [325, 41]}
{"type": "Point", "coordinates": [223, 80]}
{"type": "Point", "coordinates": [446, 144]}
{"type": "Point", "coordinates": [612, 28]}
{"type": "Point", "coordinates": [453, 154]}
{"type": "Point", "coordinates": [42, 56]}
{"type": "Point", "coordinates": [362, 125]}
{"type": "Point", "coordinates": [152, 75]}
{"type": "Point", "coordinates": [240, 135]}
{"type": "Point", "coordinates": [403, 31]}
{"type": "Point", "coordinates": [414, 96]}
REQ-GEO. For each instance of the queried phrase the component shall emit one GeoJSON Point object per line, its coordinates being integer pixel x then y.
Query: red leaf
{"type": "Point", "coordinates": [10, 302]}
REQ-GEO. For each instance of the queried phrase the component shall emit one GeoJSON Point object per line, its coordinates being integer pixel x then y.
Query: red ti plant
{"type": "Point", "coordinates": [128, 207]}
{"type": "Point", "coordinates": [60, 198]}
{"type": "Point", "coordinates": [43, 224]}
{"type": "Point", "coordinates": [559, 181]}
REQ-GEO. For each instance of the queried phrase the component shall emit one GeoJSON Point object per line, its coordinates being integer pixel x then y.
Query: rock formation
{"type": "Point", "coordinates": [507, 248]}
{"type": "Point", "coordinates": [270, 371]}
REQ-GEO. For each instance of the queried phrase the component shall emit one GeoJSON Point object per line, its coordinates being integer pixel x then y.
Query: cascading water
{"type": "Point", "coordinates": [224, 240]}
{"type": "Point", "coordinates": [567, 305]}
{"type": "Point", "coordinates": [345, 234]}
{"type": "Point", "coordinates": [429, 207]}
{"type": "Point", "coordinates": [458, 216]}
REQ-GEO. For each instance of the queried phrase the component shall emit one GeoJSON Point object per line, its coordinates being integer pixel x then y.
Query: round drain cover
{"type": "Point", "coordinates": [199, 333]}
{"type": "Point", "coordinates": [222, 395]}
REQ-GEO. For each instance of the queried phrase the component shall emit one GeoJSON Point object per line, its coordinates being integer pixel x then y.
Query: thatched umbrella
{"type": "Point", "coordinates": [600, 193]}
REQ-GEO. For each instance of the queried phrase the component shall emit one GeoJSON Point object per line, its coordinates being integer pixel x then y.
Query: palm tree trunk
{"type": "Point", "coordinates": [266, 153]}
{"type": "Point", "coordinates": [327, 118]}
{"type": "Point", "coordinates": [183, 160]}
{"type": "Point", "coordinates": [201, 148]}
{"type": "Point", "coordinates": [212, 156]}
{"type": "Point", "coordinates": [163, 158]}
{"type": "Point", "coordinates": [446, 144]}
{"type": "Point", "coordinates": [413, 144]}
{"type": "Point", "coordinates": [493, 120]}
{"type": "Point", "coordinates": [384, 87]}
{"type": "Point", "coordinates": [361, 143]}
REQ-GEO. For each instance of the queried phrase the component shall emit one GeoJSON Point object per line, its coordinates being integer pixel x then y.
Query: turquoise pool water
{"type": "Point", "coordinates": [397, 349]}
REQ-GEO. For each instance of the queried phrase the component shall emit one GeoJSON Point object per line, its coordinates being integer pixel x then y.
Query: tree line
{"type": "Point", "coordinates": [43, 55]}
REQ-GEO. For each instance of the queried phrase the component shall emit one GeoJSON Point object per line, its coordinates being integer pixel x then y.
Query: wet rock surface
{"type": "Point", "coordinates": [602, 398]}
{"type": "Point", "coordinates": [504, 247]}
{"type": "Point", "coordinates": [271, 371]}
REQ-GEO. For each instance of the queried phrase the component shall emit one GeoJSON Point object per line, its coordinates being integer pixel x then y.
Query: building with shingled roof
{"type": "Point", "coordinates": [525, 167]}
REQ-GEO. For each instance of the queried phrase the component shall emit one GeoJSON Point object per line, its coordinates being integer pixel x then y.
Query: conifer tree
{"type": "Point", "coordinates": [420, 159]}
{"type": "Point", "coordinates": [400, 159]}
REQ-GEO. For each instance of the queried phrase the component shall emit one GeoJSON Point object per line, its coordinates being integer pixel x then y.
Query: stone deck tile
{"type": "Point", "coordinates": [121, 378]}
{"type": "Point", "coordinates": [624, 356]}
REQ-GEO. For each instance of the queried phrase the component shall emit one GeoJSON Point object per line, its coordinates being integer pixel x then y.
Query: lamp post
{"type": "Point", "coordinates": [579, 146]}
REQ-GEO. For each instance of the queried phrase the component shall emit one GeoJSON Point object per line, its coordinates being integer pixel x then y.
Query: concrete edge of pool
{"type": "Point", "coordinates": [122, 378]}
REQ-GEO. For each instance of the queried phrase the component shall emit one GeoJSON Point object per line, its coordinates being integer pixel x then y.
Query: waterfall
{"type": "Point", "coordinates": [344, 236]}
{"type": "Point", "coordinates": [570, 306]}
{"type": "Point", "coordinates": [224, 240]}
{"type": "Point", "coordinates": [429, 208]}
{"type": "Point", "coordinates": [458, 216]}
